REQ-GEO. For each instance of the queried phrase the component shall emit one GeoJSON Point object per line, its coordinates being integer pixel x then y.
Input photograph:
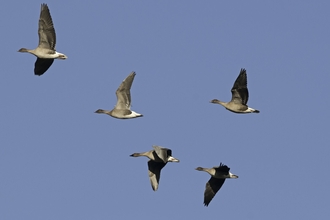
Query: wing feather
{"type": "Point", "coordinates": [211, 188]}
{"type": "Point", "coordinates": [42, 65]}
{"type": "Point", "coordinates": [154, 169]}
{"type": "Point", "coordinates": [123, 92]}
{"type": "Point", "coordinates": [240, 93]}
{"type": "Point", "coordinates": [46, 31]}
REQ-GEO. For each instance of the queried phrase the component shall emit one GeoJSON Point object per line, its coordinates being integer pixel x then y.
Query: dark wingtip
{"type": "Point", "coordinates": [256, 111]}
{"type": "Point", "coordinates": [38, 74]}
{"type": "Point", "coordinates": [44, 5]}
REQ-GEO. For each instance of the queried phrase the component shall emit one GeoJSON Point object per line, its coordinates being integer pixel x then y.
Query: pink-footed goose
{"type": "Point", "coordinates": [218, 176]}
{"type": "Point", "coordinates": [122, 110]}
{"type": "Point", "coordinates": [159, 157]}
{"type": "Point", "coordinates": [45, 52]}
{"type": "Point", "coordinates": [240, 96]}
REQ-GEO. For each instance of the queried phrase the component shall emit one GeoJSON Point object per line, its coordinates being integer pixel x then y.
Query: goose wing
{"type": "Point", "coordinates": [123, 92]}
{"type": "Point", "coordinates": [222, 167]}
{"type": "Point", "coordinates": [154, 169]}
{"type": "Point", "coordinates": [240, 93]}
{"type": "Point", "coordinates": [42, 65]}
{"type": "Point", "coordinates": [162, 153]}
{"type": "Point", "coordinates": [211, 188]}
{"type": "Point", "coordinates": [46, 31]}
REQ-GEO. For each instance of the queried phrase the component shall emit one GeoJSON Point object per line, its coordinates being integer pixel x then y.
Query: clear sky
{"type": "Point", "coordinates": [60, 160]}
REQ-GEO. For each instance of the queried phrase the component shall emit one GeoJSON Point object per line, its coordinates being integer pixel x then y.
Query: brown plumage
{"type": "Point", "coordinates": [218, 177]}
{"type": "Point", "coordinates": [45, 52]}
{"type": "Point", "coordinates": [240, 96]}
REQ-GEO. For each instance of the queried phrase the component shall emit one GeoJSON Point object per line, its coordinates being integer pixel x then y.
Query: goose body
{"type": "Point", "coordinates": [240, 96]}
{"type": "Point", "coordinates": [45, 52]}
{"type": "Point", "coordinates": [122, 110]}
{"type": "Point", "coordinates": [218, 176]}
{"type": "Point", "coordinates": [158, 158]}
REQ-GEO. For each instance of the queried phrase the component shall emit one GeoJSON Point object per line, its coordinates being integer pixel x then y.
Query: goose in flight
{"type": "Point", "coordinates": [122, 109]}
{"type": "Point", "coordinates": [45, 52]}
{"type": "Point", "coordinates": [159, 157]}
{"type": "Point", "coordinates": [240, 96]}
{"type": "Point", "coordinates": [218, 177]}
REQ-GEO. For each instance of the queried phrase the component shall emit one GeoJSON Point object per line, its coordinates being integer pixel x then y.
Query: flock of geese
{"type": "Point", "coordinates": [159, 156]}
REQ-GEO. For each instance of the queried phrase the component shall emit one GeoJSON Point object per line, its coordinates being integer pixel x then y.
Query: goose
{"type": "Point", "coordinates": [122, 109]}
{"type": "Point", "coordinates": [159, 157]}
{"type": "Point", "coordinates": [240, 96]}
{"type": "Point", "coordinates": [218, 177]}
{"type": "Point", "coordinates": [45, 52]}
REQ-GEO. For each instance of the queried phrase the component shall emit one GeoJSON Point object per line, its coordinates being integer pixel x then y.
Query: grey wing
{"type": "Point", "coordinates": [123, 92]}
{"type": "Point", "coordinates": [46, 31]}
{"type": "Point", "coordinates": [42, 65]}
{"type": "Point", "coordinates": [211, 188]}
{"type": "Point", "coordinates": [161, 153]}
{"type": "Point", "coordinates": [154, 169]}
{"type": "Point", "coordinates": [240, 93]}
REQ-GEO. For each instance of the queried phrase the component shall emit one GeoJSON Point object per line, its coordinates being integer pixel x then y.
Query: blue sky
{"type": "Point", "coordinates": [59, 160]}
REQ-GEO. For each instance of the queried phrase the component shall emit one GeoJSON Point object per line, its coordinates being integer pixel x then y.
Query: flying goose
{"type": "Point", "coordinates": [45, 52]}
{"type": "Point", "coordinates": [240, 96]}
{"type": "Point", "coordinates": [122, 109]}
{"type": "Point", "coordinates": [158, 159]}
{"type": "Point", "coordinates": [218, 177]}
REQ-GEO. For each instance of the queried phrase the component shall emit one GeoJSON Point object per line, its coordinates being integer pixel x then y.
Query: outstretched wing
{"type": "Point", "coordinates": [240, 93]}
{"type": "Point", "coordinates": [42, 65]}
{"type": "Point", "coordinates": [46, 31]}
{"type": "Point", "coordinates": [123, 92]}
{"type": "Point", "coordinates": [154, 169]}
{"type": "Point", "coordinates": [211, 188]}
